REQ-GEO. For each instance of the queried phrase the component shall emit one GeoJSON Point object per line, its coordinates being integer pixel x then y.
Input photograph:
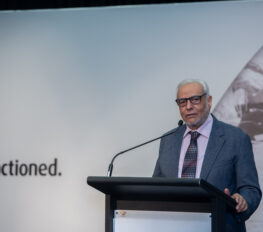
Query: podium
{"type": "Point", "coordinates": [163, 194]}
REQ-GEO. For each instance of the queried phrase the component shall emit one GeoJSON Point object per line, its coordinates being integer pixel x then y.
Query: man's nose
{"type": "Point", "coordinates": [189, 105]}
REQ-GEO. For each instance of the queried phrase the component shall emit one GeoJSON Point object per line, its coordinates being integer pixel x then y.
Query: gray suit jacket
{"type": "Point", "coordinates": [228, 163]}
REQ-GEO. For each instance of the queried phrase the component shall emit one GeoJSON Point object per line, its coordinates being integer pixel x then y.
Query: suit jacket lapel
{"type": "Point", "coordinates": [215, 143]}
{"type": "Point", "coordinates": [176, 150]}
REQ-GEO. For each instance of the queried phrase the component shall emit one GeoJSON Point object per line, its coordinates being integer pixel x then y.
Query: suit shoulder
{"type": "Point", "coordinates": [231, 130]}
{"type": "Point", "coordinates": [177, 129]}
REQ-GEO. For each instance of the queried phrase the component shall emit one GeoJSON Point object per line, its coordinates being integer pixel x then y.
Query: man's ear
{"type": "Point", "coordinates": [209, 101]}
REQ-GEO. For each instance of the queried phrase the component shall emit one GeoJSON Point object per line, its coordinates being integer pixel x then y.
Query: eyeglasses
{"type": "Point", "coordinates": [194, 100]}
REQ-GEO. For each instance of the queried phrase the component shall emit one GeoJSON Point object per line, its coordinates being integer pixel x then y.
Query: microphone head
{"type": "Point", "coordinates": [180, 123]}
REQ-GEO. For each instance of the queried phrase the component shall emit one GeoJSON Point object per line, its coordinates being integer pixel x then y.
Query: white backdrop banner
{"type": "Point", "coordinates": [78, 86]}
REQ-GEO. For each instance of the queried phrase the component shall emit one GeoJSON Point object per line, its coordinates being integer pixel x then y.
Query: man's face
{"type": "Point", "coordinates": [194, 115]}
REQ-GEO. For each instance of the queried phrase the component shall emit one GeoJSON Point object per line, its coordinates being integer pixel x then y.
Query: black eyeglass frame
{"type": "Point", "coordinates": [194, 100]}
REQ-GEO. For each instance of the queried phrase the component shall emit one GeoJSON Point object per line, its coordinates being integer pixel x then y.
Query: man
{"type": "Point", "coordinates": [212, 150]}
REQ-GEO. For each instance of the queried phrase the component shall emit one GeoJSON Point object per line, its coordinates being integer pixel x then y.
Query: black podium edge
{"type": "Point", "coordinates": [97, 181]}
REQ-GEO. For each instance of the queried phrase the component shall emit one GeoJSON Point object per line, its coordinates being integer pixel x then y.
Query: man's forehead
{"type": "Point", "coordinates": [190, 89]}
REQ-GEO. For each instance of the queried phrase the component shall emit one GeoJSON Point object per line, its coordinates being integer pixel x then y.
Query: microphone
{"type": "Point", "coordinates": [180, 123]}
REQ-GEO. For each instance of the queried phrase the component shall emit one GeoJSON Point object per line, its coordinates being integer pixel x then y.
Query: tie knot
{"type": "Point", "coordinates": [194, 135]}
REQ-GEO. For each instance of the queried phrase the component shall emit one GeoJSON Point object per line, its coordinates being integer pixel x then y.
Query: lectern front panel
{"type": "Point", "coordinates": [154, 221]}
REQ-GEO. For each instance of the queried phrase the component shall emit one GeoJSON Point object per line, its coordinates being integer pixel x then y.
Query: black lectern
{"type": "Point", "coordinates": [163, 194]}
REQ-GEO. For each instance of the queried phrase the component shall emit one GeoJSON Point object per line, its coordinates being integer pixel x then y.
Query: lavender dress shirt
{"type": "Point", "coordinates": [202, 141]}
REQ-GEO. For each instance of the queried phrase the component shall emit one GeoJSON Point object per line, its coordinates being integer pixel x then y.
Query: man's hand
{"type": "Point", "coordinates": [241, 202]}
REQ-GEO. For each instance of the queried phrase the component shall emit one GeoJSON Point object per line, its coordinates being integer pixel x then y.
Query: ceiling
{"type": "Point", "coordinates": [53, 4]}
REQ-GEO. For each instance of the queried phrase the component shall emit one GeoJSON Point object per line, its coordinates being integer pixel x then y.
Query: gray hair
{"type": "Point", "coordinates": [189, 81]}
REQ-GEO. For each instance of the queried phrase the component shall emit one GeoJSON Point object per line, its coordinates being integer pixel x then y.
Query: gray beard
{"type": "Point", "coordinates": [200, 122]}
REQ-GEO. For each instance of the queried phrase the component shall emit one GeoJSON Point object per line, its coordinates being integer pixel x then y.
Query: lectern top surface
{"type": "Point", "coordinates": [158, 188]}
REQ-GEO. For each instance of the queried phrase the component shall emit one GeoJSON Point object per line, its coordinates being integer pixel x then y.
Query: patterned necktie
{"type": "Point", "coordinates": [190, 159]}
